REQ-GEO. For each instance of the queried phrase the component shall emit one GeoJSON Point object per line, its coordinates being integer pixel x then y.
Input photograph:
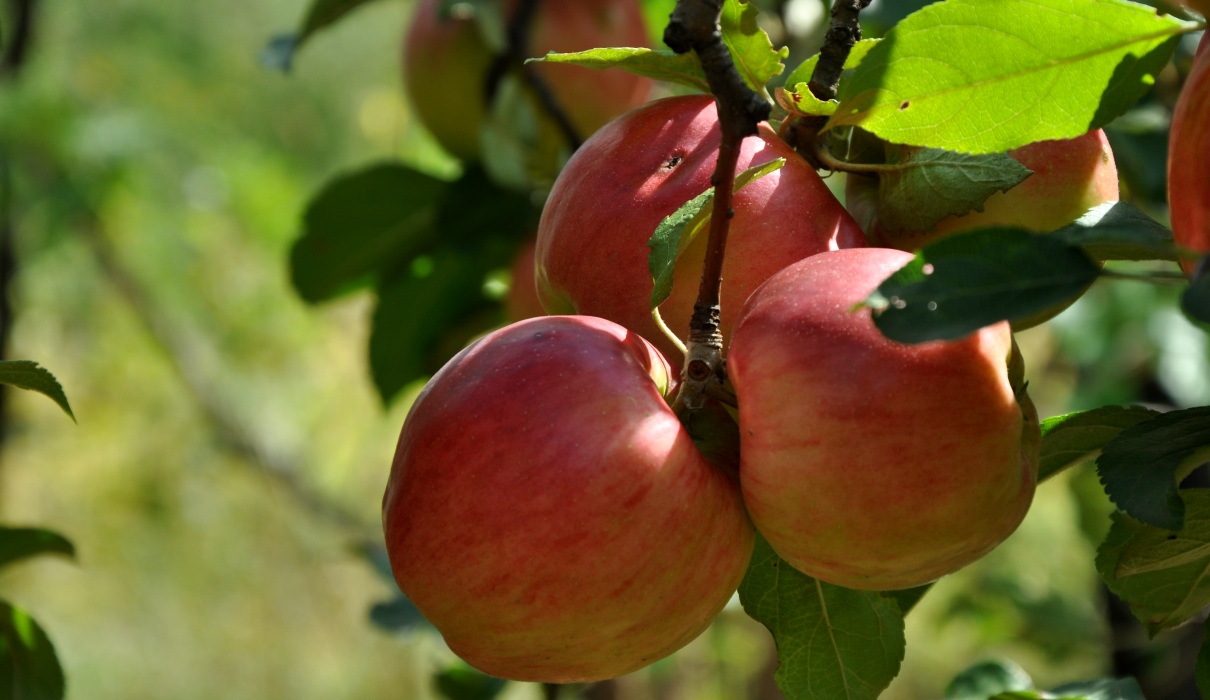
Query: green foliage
{"type": "Point", "coordinates": [1158, 572]}
{"type": "Point", "coordinates": [961, 283]}
{"type": "Point", "coordinates": [832, 642]}
{"type": "Point", "coordinates": [461, 682]}
{"type": "Point", "coordinates": [1119, 231]}
{"type": "Point", "coordinates": [1143, 465]}
{"type": "Point", "coordinates": [26, 374]}
{"type": "Point", "coordinates": [754, 55]}
{"type": "Point", "coordinates": [799, 93]}
{"type": "Point", "coordinates": [987, 679]}
{"type": "Point", "coordinates": [920, 187]}
{"type": "Point", "coordinates": [983, 77]}
{"type": "Point", "coordinates": [1195, 301]}
{"type": "Point", "coordinates": [18, 543]}
{"type": "Point", "coordinates": [280, 51]}
{"type": "Point", "coordinates": [29, 669]}
{"type": "Point", "coordinates": [657, 64]}
{"type": "Point", "coordinates": [1074, 438]}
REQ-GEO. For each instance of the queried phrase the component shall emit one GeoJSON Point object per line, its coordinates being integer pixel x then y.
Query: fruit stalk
{"type": "Point", "coordinates": [694, 26]}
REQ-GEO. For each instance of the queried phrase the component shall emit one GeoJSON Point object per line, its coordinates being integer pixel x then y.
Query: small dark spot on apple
{"type": "Point", "coordinates": [674, 161]}
{"type": "Point", "coordinates": [905, 105]}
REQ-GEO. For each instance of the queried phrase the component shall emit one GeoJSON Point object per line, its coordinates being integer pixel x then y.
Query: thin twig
{"type": "Point", "coordinates": [843, 33]}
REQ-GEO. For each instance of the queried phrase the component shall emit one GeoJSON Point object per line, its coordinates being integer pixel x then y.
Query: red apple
{"type": "Point", "coordinates": [446, 62]}
{"type": "Point", "coordinates": [549, 514]}
{"type": "Point", "coordinates": [618, 187]}
{"type": "Point", "coordinates": [1189, 159]}
{"type": "Point", "coordinates": [1069, 177]}
{"type": "Point", "coordinates": [868, 463]}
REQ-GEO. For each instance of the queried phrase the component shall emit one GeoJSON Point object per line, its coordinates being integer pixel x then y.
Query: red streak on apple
{"type": "Point", "coordinates": [1189, 159]}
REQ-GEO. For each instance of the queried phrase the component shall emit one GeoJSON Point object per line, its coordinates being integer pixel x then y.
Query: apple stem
{"type": "Point", "coordinates": [513, 57]}
{"type": "Point", "coordinates": [672, 337]}
{"type": "Point", "coordinates": [694, 26]}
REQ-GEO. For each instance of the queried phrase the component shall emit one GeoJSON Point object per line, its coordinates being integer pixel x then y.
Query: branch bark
{"type": "Point", "coordinates": [694, 26]}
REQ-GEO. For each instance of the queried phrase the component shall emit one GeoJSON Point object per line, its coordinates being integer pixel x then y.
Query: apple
{"type": "Point", "coordinates": [617, 188]}
{"type": "Point", "coordinates": [1069, 177]}
{"type": "Point", "coordinates": [868, 463]}
{"type": "Point", "coordinates": [447, 60]}
{"type": "Point", "coordinates": [549, 514]}
{"type": "Point", "coordinates": [1188, 159]}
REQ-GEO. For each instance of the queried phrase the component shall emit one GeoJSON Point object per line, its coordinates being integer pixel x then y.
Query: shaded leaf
{"type": "Point", "coordinates": [27, 374]}
{"type": "Point", "coordinates": [1073, 438]}
{"type": "Point", "coordinates": [682, 69]}
{"type": "Point", "coordinates": [833, 643]}
{"type": "Point", "coordinates": [1142, 467]}
{"type": "Point", "coordinates": [1161, 574]}
{"type": "Point", "coordinates": [986, 76]}
{"type": "Point", "coordinates": [461, 682]}
{"type": "Point", "coordinates": [360, 223]}
{"type": "Point", "coordinates": [1119, 231]}
{"type": "Point", "coordinates": [964, 282]}
{"type": "Point", "coordinates": [279, 52]}
{"type": "Point", "coordinates": [397, 615]}
{"type": "Point", "coordinates": [1202, 666]}
{"type": "Point", "coordinates": [987, 678]}
{"type": "Point", "coordinates": [29, 668]}
{"type": "Point", "coordinates": [752, 51]}
{"type": "Point", "coordinates": [674, 234]}
{"type": "Point", "coordinates": [1100, 689]}
{"type": "Point", "coordinates": [17, 543]}
{"type": "Point", "coordinates": [907, 598]}
{"type": "Point", "coordinates": [920, 187]}
{"type": "Point", "coordinates": [1195, 300]}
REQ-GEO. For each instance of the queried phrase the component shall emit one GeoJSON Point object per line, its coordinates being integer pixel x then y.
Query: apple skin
{"type": "Point", "coordinates": [868, 463]}
{"type": "Point", "coordinates": [1188, 159]}
{"type": "Point", "coordinates": [548, 513]}
{"type": "Point", "coordinates": [1069, 177]}
{"type": "Point", "coordinates": [618, 187]}
{"type": "Point", "coordinates": [446, 62]}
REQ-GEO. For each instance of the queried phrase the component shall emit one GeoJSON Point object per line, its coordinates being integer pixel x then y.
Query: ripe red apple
{"type": "Point", "coordinates": [618, 187]}
{"type": "Point", "coordinates": [1069, 177]}
{"type": "Point", "coordinates": [1189, 159]}
{"type": "Point", "coordinates": [868, 463]}
{"type": "Point", "coordinates": [549, 514]}
{"type": "Point", "coordinates": [446, 62]}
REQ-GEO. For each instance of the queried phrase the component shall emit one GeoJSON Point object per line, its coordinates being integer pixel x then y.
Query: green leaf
{"type": "Point", "coordinates": [1142, 467]}
{"type": "Point", "coordinates": [461, 682]}
{"type": "Point", "coordinates": [805, 101]}
{"type": "Point", "coordinates": [26, 374]}
{"type": "Point", "coordinates": [1202, 667]}
{"type": "Point", "coordinates": [964, 282]}
{"type": "Point", "coordinates": [920, 187]}
{"type": "Point", "coordinates": [17, 543]}
{"type": "Point", "coordinates": [1119, 231]}
{"type": "Point", "coordinates": [987, 678]}
{"type": "Point", "coordinates": [833, 643]}
{"type": "Point", "coordinates": [397, 615]}
{"type": "Point", "coordinates": [906, 598]}
{"type": "Point", "coordinates": [280, 51]}
{"type": "Point", "coordinates": [751, 50]}
{"type": "Point", "coordinates": [1073, 438]}
{"type": "Point", "coordinates": [986, 76]}
{"type": "Point", "coordinates": [674, 234]}
{"type": "Point", "coordinates": [359, 224]}
{"type": "Point", "coordinates": [29, 669]}
{"type": "Point", "coordinates": [1159, 573]}
{"type": "Point", "coordinates": [682, 69]}
{"type": "Point", "coordinates": [1100, 689]}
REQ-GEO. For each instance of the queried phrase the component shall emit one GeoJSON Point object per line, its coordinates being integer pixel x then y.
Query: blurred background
{"type": "Point", "coordinates": [222, 485]}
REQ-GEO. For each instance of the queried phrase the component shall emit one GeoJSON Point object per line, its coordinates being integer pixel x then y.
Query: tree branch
{"type": "Point", "coordinates": [844, 32]}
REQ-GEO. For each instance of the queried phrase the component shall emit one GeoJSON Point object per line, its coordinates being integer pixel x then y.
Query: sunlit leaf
{"type": "Point", "coordinates": [753, 53]}
{"type": "Point", "coordinates": [26, 374]}
{"type": "Point", "coordinates": [1161, 574]}
{"type": "Point", "coordinates": [1119, 231]}
{"type": "Point", "coordinates": [986, 76]}
{"type": "Point", "coordinates": [796, 84]}
{"type": "Point", "coordinates": [970, 280]}
{"type": "Point", "coordinates": [17, 543]}
{"type": "Point", "coordinates": [1099, 689]}
{"type": "Point", "coordinates": [833, 643]}
{"type": "Point", "coordinates": [1142, 467]}
{"type": "Point", "coordinates": [682, 69]}
{"type": "Point", "coordinates": [1073, 438]}
{"type": "Point", "coordinates": [29, 668]}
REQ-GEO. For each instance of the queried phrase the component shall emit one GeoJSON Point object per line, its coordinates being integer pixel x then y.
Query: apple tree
{"type": "Point", "coordinates": [751, 387]}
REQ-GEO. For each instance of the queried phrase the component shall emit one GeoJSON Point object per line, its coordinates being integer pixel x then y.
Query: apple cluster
{"type": "Point", "coordinates": [550, 512]}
